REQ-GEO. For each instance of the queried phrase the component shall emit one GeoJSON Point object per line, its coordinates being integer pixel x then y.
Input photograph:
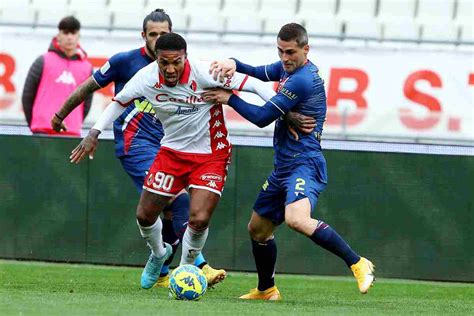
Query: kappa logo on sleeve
{"type": "Point", "coordinates": [105, 68]}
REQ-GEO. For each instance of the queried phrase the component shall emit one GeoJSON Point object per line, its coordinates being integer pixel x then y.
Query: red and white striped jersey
{"type": "Point", "coordinates": [191, 124]}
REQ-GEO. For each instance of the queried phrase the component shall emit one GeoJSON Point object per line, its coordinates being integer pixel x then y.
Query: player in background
{"type": "Point", "coordinates": [292, 190]}
{"type": "Point", "coordinates": [138, 133]}
{"type": "Point", "coordinates": [195, 151]}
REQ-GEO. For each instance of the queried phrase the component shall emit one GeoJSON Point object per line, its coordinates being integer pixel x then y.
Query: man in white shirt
{"type": "Point", "coordinates": [195, 151]}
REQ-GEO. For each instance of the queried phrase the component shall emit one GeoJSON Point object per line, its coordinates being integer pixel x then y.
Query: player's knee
{"type": "Point", "coordinates": [295, 223]}
{"type": "Point", "coordinates": [145, 216]}
{"type": "Point", "coordinates": [256, 234]}
{"type": "Point", "coordinates": [199, 221]}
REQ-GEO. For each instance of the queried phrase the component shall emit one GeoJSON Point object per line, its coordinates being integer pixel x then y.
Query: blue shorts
{"type": "Point", "coordinates": [136, 164]}
{"type": "Point", "coordinates": [290, 184]}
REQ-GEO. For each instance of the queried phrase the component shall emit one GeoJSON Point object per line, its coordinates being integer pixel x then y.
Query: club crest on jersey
{"type": "Point", "coordinates": [211, 177]}
{"type": "Point", "coordinates": [193, 85]}
{"type": "Point", "coordinates": [281, 84]}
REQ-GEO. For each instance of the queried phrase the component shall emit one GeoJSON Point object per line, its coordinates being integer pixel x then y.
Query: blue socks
{"type": "Point", "coordinates": [265, 255]}
{"type": "Point", "coordinates": [330, 240]}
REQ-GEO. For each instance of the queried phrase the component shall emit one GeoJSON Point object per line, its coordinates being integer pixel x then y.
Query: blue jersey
{"type": "Point", "coordinates": [301, 91]}
{"type": "Point", "coordinates": [137, 127]}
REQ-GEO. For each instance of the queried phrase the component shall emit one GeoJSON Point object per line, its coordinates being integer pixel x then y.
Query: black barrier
{"type": "Point", "coordinates": [412, 214]}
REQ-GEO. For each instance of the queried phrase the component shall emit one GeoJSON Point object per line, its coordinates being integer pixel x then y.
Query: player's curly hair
{"type": "Point", "coordinates": [157, 15]}
{"type": "Point", "coordinates": [294, 32]}
{"type": "Point", "coordinates": [170, 41]}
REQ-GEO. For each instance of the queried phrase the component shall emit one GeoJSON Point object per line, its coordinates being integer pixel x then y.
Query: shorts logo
{"type": "Point", "coordinates": [149, 181]}
{"type": "Point", "coordinates": [211, 177]}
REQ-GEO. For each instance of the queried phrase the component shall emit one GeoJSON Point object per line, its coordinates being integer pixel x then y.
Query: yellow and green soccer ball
{"type": "Point", "coordinates": [187, 282]}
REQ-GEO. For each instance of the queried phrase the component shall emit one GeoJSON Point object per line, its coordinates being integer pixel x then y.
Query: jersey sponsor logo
{"type": "Point", "coordinates": [211, 177]}
{"type": "Point", "coordinates": [193, 85]}
{"type": "Point", "coordinates": [184, 111]}
{"type": "Point", "coordinates": [287, 93]}
{"type": "Point", "coordinates": [105, 68]}
{"type": "Point", "coordinates": [144, 106]}
{"type": "Point", "coordinates": [265, 185]}
{"type": "Point", "coordinates": [66, 77]}
{"type": "Point", "coordinates": [158, 85]}
{"type": "Point", "coordinates": [164, 97]}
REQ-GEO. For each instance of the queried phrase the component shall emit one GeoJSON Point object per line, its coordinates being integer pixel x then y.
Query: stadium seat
{"type": "Point", "coordinates": [356, 9]}
{"type": "Point", "coordinates": [203, 7]}
{"type": "Point", "coordinates": [90, 19]}
{"type": "Point", "coordinates": [126, 5]}
{"type": "Point", "coordinates": [172, 7]}
{"type": "Point", "coordinates": [310, 9]}
{"type": "Point", "coordinates": [435, 10]}
{"type": "Point", "coordinates": [239, 7]}
{"type": "Point", "coordinates": [132, 19]}
{"type": "Point", "coordinates": [50, 16]}
{"type": "Point", "coordinates": [276, 8]}
{"type": "Point", "coordinates": [403, 30]}
{"type": "Point", "coordinates": [323, 27]}
{"type": "Point", "coordinates": [464, 12]}
{"type": "Point", "coordinates": [367, 29]}
{"type": "Point", "coordinates": [467, 33]}
{"type": "Point", "coordinates": [272, 24]}
{"type": "Point", "coordinates": [247, 28]}
{"type": "Point", "coordinates": [390, 10]}
{"type": "Point", "coordinates": [200, 23]}
{"type": "Point", "coordinates": [9, 12]}
{"type": "Point", "coordinates": [98, 5]}
{"type": "Point", "coordinates": [439, 32]}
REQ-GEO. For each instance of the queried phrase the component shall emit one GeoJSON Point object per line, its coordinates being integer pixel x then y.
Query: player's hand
{"type": "Point", "coordinates": [58, 125]}
{"type": "Point", "coordinates": [86, 147]}
{"type": "Point", "coordinates": [302, 123]}
{"type": "Point", "coordinates": [217, 95]}
{"type": "Point", "coordinates": [222, 69]}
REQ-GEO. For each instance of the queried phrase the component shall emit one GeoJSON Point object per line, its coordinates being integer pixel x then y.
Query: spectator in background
{"type": "Point", "coordinates": [52, 77]}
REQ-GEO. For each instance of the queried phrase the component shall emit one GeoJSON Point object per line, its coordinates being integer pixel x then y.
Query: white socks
{"type": "Point", "coordinates": [193, 242]}
{"type": "Point", "coordinates": [153, 238]}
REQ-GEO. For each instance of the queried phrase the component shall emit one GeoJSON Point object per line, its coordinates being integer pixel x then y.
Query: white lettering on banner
{"type": "Point", "coordinates": [416, 94]}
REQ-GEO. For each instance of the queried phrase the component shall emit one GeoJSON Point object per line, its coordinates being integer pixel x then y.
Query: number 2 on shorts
{"type": "Point", "coordinates": [299, 184]}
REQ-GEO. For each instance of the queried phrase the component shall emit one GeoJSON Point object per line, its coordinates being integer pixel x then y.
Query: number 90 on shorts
{"type": "Point", "coordinates": [160, 183]}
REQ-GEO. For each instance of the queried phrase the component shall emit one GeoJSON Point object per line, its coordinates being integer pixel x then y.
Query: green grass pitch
{"type": "Point", "coordinates": [30, 288]}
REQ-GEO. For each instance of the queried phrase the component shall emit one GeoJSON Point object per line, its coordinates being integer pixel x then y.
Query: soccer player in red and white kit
{"type": "Point", "coordinates": [195, 151]}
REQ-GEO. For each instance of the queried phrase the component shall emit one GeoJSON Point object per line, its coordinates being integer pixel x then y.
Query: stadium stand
{"type": "Point", "coordinates": [417, 21]}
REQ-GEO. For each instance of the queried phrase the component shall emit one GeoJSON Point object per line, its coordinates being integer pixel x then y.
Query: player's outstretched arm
{"type": "Point", "coordinates": [89, 144]}
{"type": "Point", "coordinates": [227, 68]}
{"type": "Point", "coordinates": [258, 115]}
{"type": "Point", "coordinates": [76, 98]}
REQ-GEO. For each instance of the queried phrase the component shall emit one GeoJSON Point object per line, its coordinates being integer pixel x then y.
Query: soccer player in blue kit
{"type": "Point", "coordinates": [138, 133]}
{"type": "Point", "coordinates": [292, 190]}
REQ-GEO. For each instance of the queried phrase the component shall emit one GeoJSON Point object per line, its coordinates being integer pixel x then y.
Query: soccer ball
{"type": "Point", "coordinates": [187, 282]}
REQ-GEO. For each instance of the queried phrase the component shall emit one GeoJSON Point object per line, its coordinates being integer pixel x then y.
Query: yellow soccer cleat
{"type": "Point", "coordinates": [271, 294]}
{"type": "Point", "coordinates": [363, 271]}
{"type": "Point", "coordinates": [163, 281]}
{"type": "Point", "coordinates": [213, 276]}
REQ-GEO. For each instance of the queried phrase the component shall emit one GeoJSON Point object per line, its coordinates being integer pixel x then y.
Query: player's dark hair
{"type": "Point", "coordinates": [294, 32]}
{"type": "Point", "coordinates": [69, 24]}
{"type": "Point", "coordinates": [157, 15]}
{"type": "Point", "coordinates": [170, 41]}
